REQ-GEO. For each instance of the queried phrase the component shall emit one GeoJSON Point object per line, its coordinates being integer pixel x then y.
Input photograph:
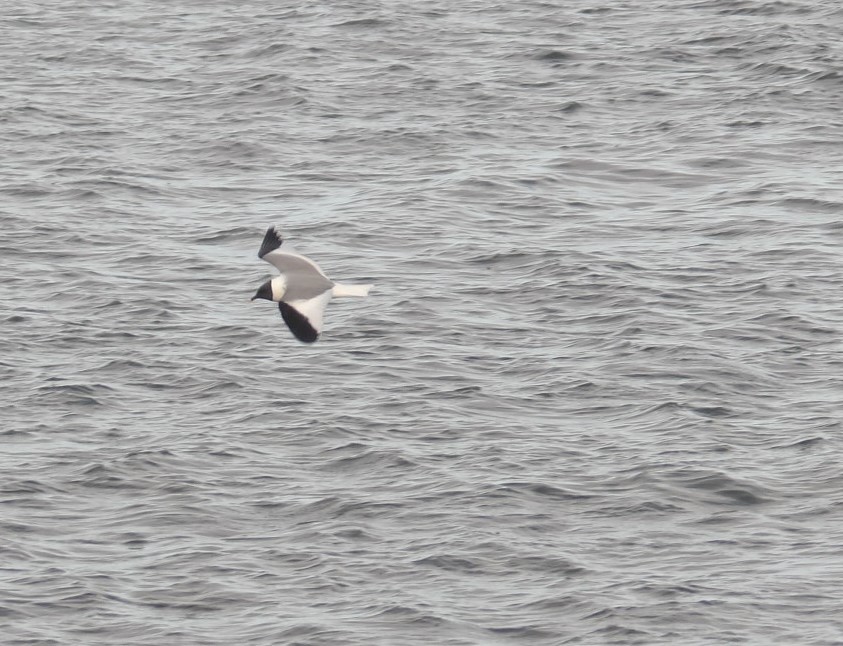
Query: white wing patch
{"type": "Point", "coordinates": [312, 308]}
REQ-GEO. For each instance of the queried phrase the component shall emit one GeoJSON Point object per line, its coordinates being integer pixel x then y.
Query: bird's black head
{"type": "Point", "coordinates": [264, 291]}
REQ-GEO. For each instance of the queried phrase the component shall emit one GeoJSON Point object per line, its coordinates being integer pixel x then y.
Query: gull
{"type": "Point", "coordinates": [302, 290]}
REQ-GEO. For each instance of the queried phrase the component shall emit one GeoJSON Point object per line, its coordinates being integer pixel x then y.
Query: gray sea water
{"type": "Point", "coordinates": [594, 397]}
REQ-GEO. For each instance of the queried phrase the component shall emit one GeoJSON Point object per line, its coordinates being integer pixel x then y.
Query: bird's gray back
{"type": "Point", "coordinates": [304, 280]}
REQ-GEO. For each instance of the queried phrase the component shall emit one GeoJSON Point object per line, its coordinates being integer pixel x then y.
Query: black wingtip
{"type": "Point", "coordinates": [271, 241]}
{"type": "Point", "coordinates": [298, 323]}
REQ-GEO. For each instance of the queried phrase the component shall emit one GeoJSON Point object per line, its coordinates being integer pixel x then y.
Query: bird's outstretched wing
{"type": "Point", "coordinates": [284, 258]}
{"type": "Point", "coordinates": [304, 316]}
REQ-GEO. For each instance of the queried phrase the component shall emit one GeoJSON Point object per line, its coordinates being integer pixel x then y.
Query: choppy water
{"type": "Point", "coordinates": [594, 398]}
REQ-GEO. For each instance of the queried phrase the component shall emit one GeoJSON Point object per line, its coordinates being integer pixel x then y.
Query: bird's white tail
{"type": "Point", "coordinates": [341, 290]}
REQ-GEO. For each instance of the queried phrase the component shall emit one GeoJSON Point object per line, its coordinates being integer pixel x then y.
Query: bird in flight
{"type": "Point", "coordinates": [302, 290]}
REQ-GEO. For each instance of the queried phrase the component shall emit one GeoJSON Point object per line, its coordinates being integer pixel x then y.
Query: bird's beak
{"type": "Point", "coordinates": [253, 298]}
